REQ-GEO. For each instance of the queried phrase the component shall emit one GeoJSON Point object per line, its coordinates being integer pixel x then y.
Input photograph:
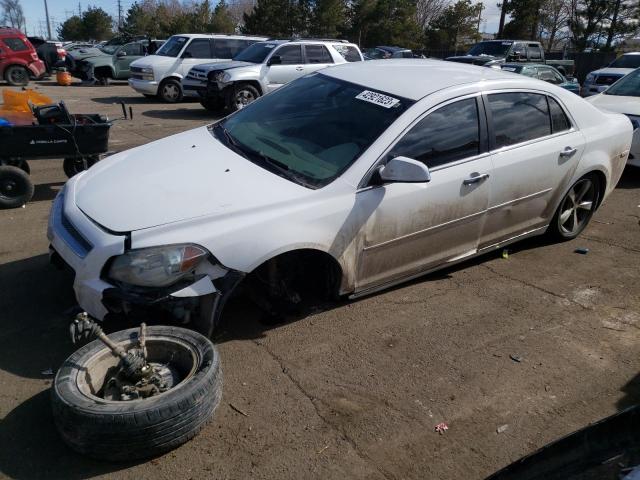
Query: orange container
{"type": "Point", "coordinates": [19, 101]}
{"type": "Point", "coordinates": [63, 78]}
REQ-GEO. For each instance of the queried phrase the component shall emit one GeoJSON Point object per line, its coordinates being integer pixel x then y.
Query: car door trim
{"type": "Point", "coordinates": [520, 199]}
{"type": "Point", "coordinates": [386, 243]}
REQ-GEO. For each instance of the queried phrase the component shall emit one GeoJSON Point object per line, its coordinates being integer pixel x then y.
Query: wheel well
{"type": "Point", "coordinates": [602, 183]}
{"type": "Point", "coordinates": [103, 72]}
{"type": "Point", "coordinates": [165, 80]}
{"type": "Point", "coordinates": [304, 276]}
{"type": "Point", "coordinates": [253, 83]}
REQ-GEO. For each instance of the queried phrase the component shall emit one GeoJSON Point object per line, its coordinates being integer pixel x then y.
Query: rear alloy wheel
{"type": "Point", "coordinates": [240, 96]}
{"type": "Point", "coordinates": [170, 91]}
{"type": "Point", "coordinates": [17, 75]}
{"type": "Point", "coordinates": [103, 411]}
{"type": "Point", "coordinates": [576, 208]}
{"type": "Point", "coordinates": [16, 188]}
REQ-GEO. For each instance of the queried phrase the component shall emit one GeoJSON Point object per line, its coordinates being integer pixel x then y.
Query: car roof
{"type": "Point", "coordinates": [417, 78]}
{"type": "Point", "coordinates": [219, 35]}
{"type": "Point", "coordinates": [10, 32]}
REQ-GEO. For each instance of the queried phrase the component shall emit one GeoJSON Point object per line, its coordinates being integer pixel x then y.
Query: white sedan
{"type": "Point", "coordinates": [343, 182]}
{"type": "Point", "coordinates": [624, 97]}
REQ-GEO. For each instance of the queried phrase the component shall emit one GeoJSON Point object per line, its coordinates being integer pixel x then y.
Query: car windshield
{"type": "Point", "coordinates": [255, 53]}
{"type": "Point", "coordinates": [627, 86]}
{"type": "Point", "coordinates": [172, 47]}
{"type": "Point", "coordinates": [494, 49]}
{"type": "Point", "coordinates": [311, 130]}
{"type": "Point", "coordinates": [109, 49]}
{"type": "Point", "coordinates": [626, 61]}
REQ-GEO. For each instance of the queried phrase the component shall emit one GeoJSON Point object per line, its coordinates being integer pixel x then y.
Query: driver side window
{"type": "Point", "coordinates": [446, 135]}
{"type": "Point", "coordinates": [290, 54]}
{"type": "Point", "coordinates": [132, 49]}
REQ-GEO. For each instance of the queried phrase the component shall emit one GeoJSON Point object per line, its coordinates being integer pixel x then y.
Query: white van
{"type": "Point", "coordinates": [160, 74]}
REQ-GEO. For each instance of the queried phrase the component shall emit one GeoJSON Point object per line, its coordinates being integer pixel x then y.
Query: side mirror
{"type": "Point", "coordinates": [275, 60]}
{"type": "Point", "coordinates": [121, 54]}
{"type": "Point", "coordinates": [404, 170]}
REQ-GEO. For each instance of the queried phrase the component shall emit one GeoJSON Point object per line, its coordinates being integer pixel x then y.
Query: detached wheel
{"type": "Point", "coordinates": [576, 209]}
{"type": "Point", "coordinates": [16, 75]}
{"type": "Point", "coordinates": [170, 91]}
{"type": "Point", "coordinates": [16, 188]}
{"type": "Point", "coordinates": [94, 419]}
{"type": "Point", "coordinates": [240, 96]}
{"type": "Point", "coordinates": [74, 165]}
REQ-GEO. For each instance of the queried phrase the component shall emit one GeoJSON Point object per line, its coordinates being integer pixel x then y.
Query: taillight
{"type": "Point", "coordinates": [61, 52]}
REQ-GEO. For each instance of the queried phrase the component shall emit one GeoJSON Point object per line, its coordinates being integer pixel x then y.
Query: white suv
{"type": "Point", "coordinates": [160, 74]}
{"type": "Point", "coordinates": [262, 68]}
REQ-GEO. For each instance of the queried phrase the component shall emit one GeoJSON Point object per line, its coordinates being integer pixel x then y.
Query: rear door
{"type": "Point", "coordinates": [291, 66]}
{"type": "Point", "coordinates": [535, 149]}
{"type": "Point", "coordinates": [316, 57]}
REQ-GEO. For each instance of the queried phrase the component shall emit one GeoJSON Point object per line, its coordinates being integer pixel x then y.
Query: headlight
{"type": "Point", "coordinates": [156, 266]}
{"type": "Point", "coordinates": [147, 70]}
{"type": "Point", "coordinates": [221, 76]}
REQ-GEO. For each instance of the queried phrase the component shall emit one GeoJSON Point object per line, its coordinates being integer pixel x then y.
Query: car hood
{"type": "Point", "coordinates": [616, 103]}
{"type": "Point", "coordinates": [612, 71]}
{"type": "Point", "coordinates": [207, 67]}
{"type": "Point", "coordinates": [184, 176]}
{"type": "Point", "coordinates": [151, 61]}
{"type": "Point", "coordinates": [474, 59]}
{"type": "Point", "coordinates": [85, 53]}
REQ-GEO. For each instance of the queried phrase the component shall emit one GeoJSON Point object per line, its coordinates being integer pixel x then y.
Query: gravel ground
{"type": "Point", "coordinates": [354, 390]}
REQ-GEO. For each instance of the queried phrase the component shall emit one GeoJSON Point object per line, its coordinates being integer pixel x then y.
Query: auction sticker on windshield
{"type": "Point", "coordinates": [377, 98]}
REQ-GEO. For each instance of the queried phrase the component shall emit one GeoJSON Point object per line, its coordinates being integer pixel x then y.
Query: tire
{"type": "Point", "coordinates": [104, 81]}
{"type": "Point", "coordinates": [170, 91]}
{"type": "Point", "coordinates": [16, 188]}
{"type": "Point", "coordinates": [212, 104]}
{"type": "Point", "coordinates": [74, 165]}
{"type": "Point", "coordinates": [126, 430]}
{"type": "Point", "coordinates": [239, 96]}
{"type": "Point", "coordinates": [576, 208]}
{"type": "Point", "coordinates": [17, 75]}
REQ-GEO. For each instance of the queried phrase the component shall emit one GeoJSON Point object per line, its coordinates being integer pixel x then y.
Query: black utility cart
{"type": "Point", "coordinates": [55, 133]}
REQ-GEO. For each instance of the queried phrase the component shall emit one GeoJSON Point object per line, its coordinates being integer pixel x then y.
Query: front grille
{"type": "Point", "coordinates": [197, 75]}
{"type": "Point", "coordinates": [136, 69]}
{"type": "Point", "coordinates": [607, 79]}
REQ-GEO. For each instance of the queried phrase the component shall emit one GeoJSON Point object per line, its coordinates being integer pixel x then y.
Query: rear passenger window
{"type": "Point", "coordinates": [290, 54]}
{"type": "Point", "coordinates": [317, 54]}
{"type": "Point", "coordinates": [535, 52]}
{"type": "Point", "coordinates": [518, 117]}
{"type": "Point", "coordinates": [198, 48]}
{"type": "Point", "coordinates": [16, 44]}
{"type": "Point", "coordinates": [559, 120]}
{"type": "Point", "coordinates": [450, 133]}
{"type": "Point", "coordinates": [229, 47]}
{"type": "Point", "coordinates": [349, 53]}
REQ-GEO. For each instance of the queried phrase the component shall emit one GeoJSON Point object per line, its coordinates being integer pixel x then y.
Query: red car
{"type": "Point", "coordinates": [18, 59]}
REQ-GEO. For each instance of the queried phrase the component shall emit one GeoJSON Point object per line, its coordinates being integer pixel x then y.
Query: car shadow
{"type": "Point", "coordinates": [133, 100]}
{"type": "Point", "coordinates": [630, 178]}
{"type": "Point", "coordinates": [32, 449]}
{"type": "Point", "coordinates": [631, 392]}
{"type": "Point", "coordinates": [184, 114]}
{"type": "Point", "coordinates": [46, 191]}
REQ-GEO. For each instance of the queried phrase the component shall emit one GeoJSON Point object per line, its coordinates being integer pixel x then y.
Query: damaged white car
{"type": "Point", "coordinates": [341, 183]}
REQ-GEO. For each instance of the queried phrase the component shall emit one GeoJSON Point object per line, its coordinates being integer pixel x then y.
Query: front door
{"type": "Point", "coordinates": [291, 66]}
{"type": "Point", "coordinates": [417, 226]}
{"type": "Point", "coordinates": [197, 52]}
{"type": "Point", "coordinates": [536, 151]}
{"type": "Point", "coordinates": [124, 56]}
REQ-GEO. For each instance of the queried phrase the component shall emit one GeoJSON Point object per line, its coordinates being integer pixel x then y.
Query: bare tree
{"type": "Point", "coordinates": [12, 13]}
{"type": "Point", "coordinates": [237, 9]}
{"type": "Point", "coordinates": [428, 10]}
{"type": "Point", "coordinates": [554, 21]}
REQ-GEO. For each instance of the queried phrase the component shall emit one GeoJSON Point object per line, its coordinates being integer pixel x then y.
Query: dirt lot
{"type": "Point", "coordinates": [353, 391]}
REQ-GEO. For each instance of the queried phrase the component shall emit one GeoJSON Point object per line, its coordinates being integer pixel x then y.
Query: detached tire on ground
{"type": "Point", "coordinates": [133, 429]}
{"type": "Point", "coordinates": [16, 188]}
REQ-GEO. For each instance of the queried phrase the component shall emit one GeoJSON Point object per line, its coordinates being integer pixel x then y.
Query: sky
{"type": "Point", "coordinates": [60, 10]}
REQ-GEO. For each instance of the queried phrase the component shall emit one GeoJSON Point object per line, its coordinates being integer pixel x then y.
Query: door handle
{"type": "Point", "coordinates": [568, 152]}
{"type": "Point", "coordinates": [476, 179]}
{"type": "Point", "coordinates": [299, 69]}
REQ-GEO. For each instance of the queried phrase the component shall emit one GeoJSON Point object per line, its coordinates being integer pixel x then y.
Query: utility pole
{"type": "Point", "coordinates": [503, 14]}
{"type": "Point", "coordinates": [481, 5]}
{"type": "Point", "coordinates": [79, 9]}
{"type": "Point", "coordinates": [119, 14]}
{"type": "Point", "coordinates": [46, 12]}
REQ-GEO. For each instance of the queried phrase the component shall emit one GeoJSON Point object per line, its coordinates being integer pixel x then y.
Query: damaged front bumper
{"type": "Point", "coordinates": [86, 248]}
